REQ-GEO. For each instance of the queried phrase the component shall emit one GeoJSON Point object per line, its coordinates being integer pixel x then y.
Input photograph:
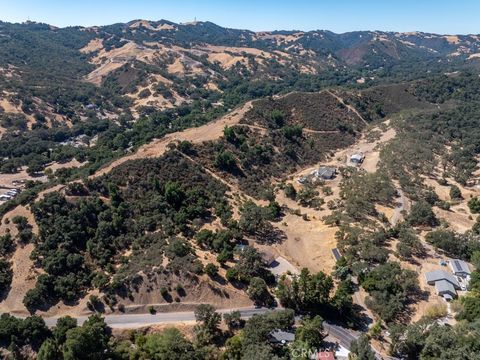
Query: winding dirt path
{"type": "Point", "coordinates": [349, 107]}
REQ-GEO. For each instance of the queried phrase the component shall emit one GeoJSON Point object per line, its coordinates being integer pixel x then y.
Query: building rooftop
{"type": "Point", "coordinates": [459, 266]}
{"type": "Point", "coordinates": [444, 286]}
{"type": "Point", "coordinates": [357, 157]}
{"type": "Point", "coordinates": [336, 254]}
{"type": "Point", "coordinates": [437, 275]}
{"type": "Point", "coordinates": [283, 337]}
{"type": "Point", "coordinates": [325, 355]}
{"type": "Point", "coordinates": [325, 172]}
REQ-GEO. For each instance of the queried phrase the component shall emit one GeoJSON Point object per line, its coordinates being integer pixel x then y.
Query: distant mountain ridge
{"type": "Point", "coordinates": [162, 64]}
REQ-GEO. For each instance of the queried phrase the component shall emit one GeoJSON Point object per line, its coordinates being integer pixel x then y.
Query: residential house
{"type": "Point", "coordinates": [445, 289]}
{"type": "Point", "coordinates": [459, 268]}
{"type": "Point", "coordinates": [437, 275]}
{"type": "Point", "coordinates": [281, 337]}
{"type": "Point", "coordinates": [325, 173]}
{"type": "Point", "coordinates": [445, 283]}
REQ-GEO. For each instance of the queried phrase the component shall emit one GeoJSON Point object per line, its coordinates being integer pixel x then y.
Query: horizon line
{"type": "Point", "coordinates": [194, 22]}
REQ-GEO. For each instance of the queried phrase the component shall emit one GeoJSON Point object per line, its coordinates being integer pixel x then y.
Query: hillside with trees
{"type": "Point", "coordinates": [167, 167]}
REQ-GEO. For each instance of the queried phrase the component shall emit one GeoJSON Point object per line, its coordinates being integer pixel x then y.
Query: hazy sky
{"type": "Point", "coordinates": [438, 16]}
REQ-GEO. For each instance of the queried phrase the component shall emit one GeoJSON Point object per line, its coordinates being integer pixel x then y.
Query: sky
{"type": "Point", "coordinates": [436, 16]}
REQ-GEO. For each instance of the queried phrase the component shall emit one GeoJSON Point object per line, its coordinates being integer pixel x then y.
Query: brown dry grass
{"type": "Point", "coordinates": [459, 216]}
{"type": "Point", "coordinates": [24, 274]}
{"type": "Point", "coordinates": [10, 107]}
{"type": "Point", "coordinates": [92, 46]}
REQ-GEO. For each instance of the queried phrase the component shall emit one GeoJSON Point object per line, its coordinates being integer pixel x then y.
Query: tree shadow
{"type": "Point", "coordinates": [5, 292]}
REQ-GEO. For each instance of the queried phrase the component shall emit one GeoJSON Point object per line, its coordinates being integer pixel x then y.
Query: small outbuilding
{"type": "Point", "coordinates": [459, 267]}
{"type": "Point", "coordinates": [357, 158]}
{"type": "Point", "coordinates": [325, 173]}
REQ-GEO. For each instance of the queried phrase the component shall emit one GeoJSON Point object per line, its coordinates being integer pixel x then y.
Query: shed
{"type": "Point", "coordinates": [325, 172]}
{"type": "Point", "coordinates": [459, 267]}
{"type": "Point", "coordinates": [281, 337]}
{"type": "Point", "coordinates": [357, 158]}
{"type": "Point", "coordinates": [445, 289]}
{"type": "Point", "coordinates": [437, 275]}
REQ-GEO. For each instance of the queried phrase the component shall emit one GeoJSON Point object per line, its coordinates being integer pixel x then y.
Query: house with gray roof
{"type": "Point", "coordinates": [445, 289]}
{"type": "Point", "coordinates": [437, 275]}
{"type": "Point", "coordinates": [325, 172]}
{"type": "Point", "coordinates": [281, 337]}
{"type": "Point", "coordinates": [459, 267]}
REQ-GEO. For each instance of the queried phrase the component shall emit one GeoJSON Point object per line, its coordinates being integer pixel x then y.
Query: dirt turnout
{"type": "Point", "coordinates": [207, 132]}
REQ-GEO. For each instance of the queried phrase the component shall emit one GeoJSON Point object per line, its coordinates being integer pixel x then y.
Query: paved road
{"type": "Point", "coordinates": [343, 335]}
{"type": "Point", "coordinates": [132, 321]}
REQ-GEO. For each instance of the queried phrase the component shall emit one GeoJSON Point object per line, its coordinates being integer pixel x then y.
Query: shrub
{"type": "Point", "coordinates": [436, 311]}
{"type": "Point", "coordinates": [164, 292]}
{"type": "Point", "coordinates": [455, 193]}
{"type": "Point", "coordinates": [225, 160]}
{"type": "Point", "coordinates": [290, 191]}
{"type": "Point", "coordinates": [474, 205]}
{"type": "Point", "coordinates": [211, 270]}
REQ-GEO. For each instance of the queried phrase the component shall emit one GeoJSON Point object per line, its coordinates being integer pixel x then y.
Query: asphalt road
{"type": "Point", "coordinates": [133, 321]}
{"type": "Point", "coordinates": [343, 335]}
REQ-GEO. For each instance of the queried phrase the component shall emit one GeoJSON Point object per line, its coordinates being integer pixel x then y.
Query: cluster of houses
{"type": "Point", "coordinates": [9, 195]}
{"type": "Point", "coordinates": [447, 283]}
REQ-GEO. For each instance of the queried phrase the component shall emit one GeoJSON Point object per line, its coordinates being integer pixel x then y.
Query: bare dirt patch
{"type": "Point", "coordinates": [74, 163]}
{"type": "Point", "coordinates": [6, 180]}
{"type": "Point", "coordinates": [92, 46]}
{"type": "Point", "coordinates": [308, 243]}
